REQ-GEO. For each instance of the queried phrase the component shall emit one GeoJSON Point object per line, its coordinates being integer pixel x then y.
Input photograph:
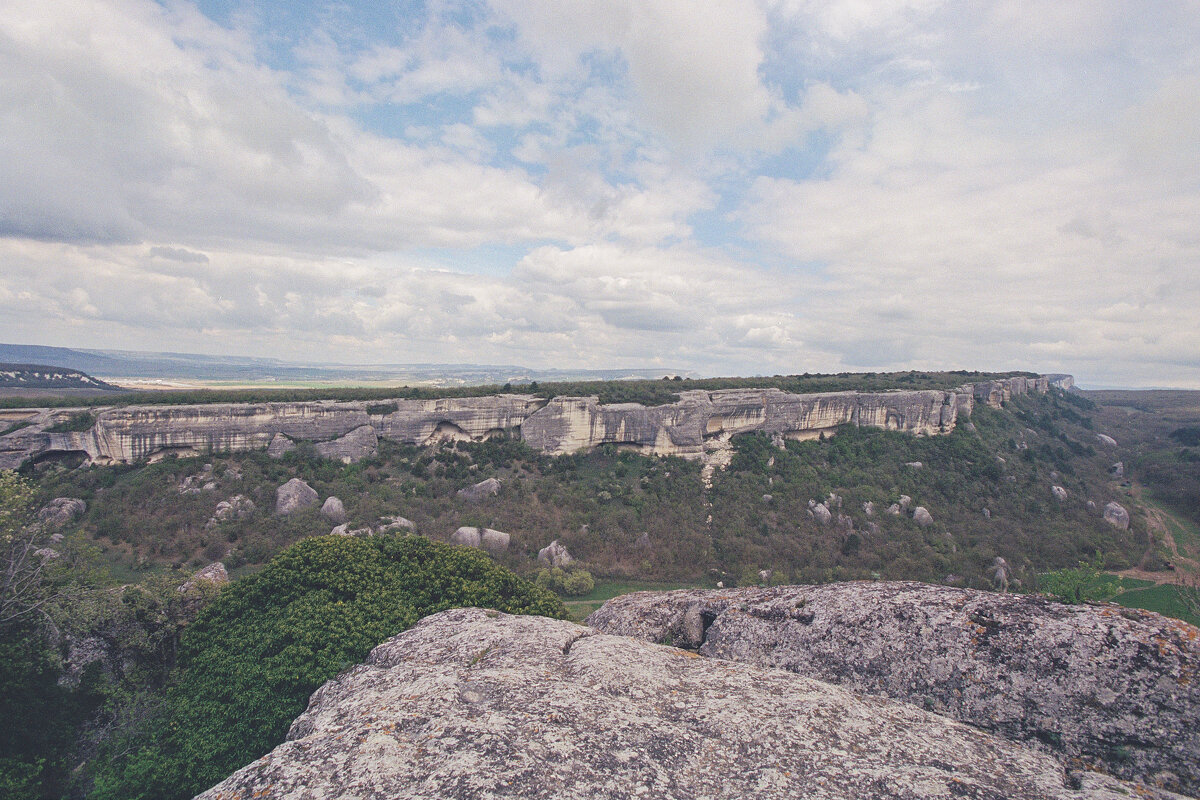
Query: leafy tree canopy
{"type": "Point", "coordinates": [252, 658]}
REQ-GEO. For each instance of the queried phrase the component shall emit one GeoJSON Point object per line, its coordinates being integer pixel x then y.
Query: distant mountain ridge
{"type": "Point", "coordinates": [41, 376]}
{"type": "Point", "coordinates": [195, 366]}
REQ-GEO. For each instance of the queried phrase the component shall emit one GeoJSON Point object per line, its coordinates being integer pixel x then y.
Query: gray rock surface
{"type": "Point", "coordinates": [1117, 470]}
{"type": "Point", "coordinates": [235, 508]}
{"type": "Point", "coordinates": [280, 446]}
{"type": "Point", "coordinates": [922, 516]}
{"type": "Point", "coordinates": [215, 573]}
{"type": "Point", "coordinates": [493, 541]}
{"type": "Point", "coordinates": [1105, 439]}
{"type": "Point", "coordinates": [820, 512]}
{"type": "Point", "coordinates": [360, 443]}
{"type": "Point", "coordinates": [483, 489]}
{"type": "Point", "coordinates": [395, 524]}
{"type": "Point", "coordinates": [60, 511]}
{"type": "Point", "coordinates": [1113, 688]}
{"type": "Point", "coordinates": [1115, 514]}
{"type": "Point", "coordinates": [334, 510]}
{"type": "Point", "coordinates": [476, 704]}
{"type": "Point", "coordinates": [1060, 494]}
{"type": "Point", "coordinates": [293, 496]}
{"type": "Point", "coordinates": [557, 555]}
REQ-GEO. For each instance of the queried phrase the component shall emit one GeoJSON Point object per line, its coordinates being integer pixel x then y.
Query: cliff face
{"type": "Point", "coordinates": [471, 703]}
{"type": "Point", "coordinates": [1116, 689]}
{"type": "Point", "coordinates": [558, 426]}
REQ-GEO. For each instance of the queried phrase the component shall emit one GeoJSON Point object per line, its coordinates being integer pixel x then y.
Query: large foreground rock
{"type": "Point", "coordinates": [1118, 689]}
{"type": "Point", "coordinates": [477, 704]}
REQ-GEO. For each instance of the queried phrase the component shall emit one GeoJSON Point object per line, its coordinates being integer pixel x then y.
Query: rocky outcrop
{"type": "Point", "coordinates": [348, 431]}
{"type": "Point", "coordinates": [61, 511]}
{"type": "Point", "coordinates": [1106, 440]}
{"type": "Point", "coordinates": [557, 555]}
{"type": "Point", "coordinates": [480, 491]}
{"type": "Point", "coordinates": [922, 517]}
{"type": "Point", "coordinates": [1060, 494]}
{"type": "Point", "coordinates": [1115, 514]}
{"type": "Point", "coordinates": [215, 574]}
{"type": "Point", "coordinates": [477, 704]}
{"type": "Point", "coordinates": [293, 496]}
{"type": "Point", "coordinates": [356, 445]}
{"type": "Point", "coordinates": [1114, 688]}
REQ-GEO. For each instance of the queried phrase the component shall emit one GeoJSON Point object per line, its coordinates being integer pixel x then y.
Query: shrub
{"type": "Point", "coordinates": [575, 583]}
{"type": "Point", "coordinates": [252, 658]}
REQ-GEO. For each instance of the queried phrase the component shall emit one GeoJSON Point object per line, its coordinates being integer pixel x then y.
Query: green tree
{"type": "Point", "coordinates": [252, 658]}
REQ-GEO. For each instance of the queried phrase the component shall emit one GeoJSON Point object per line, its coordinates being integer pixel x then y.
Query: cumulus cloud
{"type": "Point", "coordinates": [730, 187]}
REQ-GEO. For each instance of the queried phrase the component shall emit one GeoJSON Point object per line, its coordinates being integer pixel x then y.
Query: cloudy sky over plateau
{"type": "Point", "coordinates": [725, 187]}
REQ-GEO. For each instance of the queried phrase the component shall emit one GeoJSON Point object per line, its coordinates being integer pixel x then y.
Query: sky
{"type": "Point", "coordinates": [731, 188]}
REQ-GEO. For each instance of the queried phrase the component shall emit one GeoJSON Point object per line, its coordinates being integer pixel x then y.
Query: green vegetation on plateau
{"type": "Point", "coordinates": [647, 392]}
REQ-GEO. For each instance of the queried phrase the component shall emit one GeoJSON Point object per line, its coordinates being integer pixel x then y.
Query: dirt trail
{"type": "Point", "coordinates": [1185, 567]}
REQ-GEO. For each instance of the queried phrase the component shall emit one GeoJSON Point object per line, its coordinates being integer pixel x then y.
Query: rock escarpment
{"type": "Point", "coordinates": [349, 431]}
{"type": "Point", "coordinates": [471, 703]}
{"type": "Point", "coordinates": [1116, 689]}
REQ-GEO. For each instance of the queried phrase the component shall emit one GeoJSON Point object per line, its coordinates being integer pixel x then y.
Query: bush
{"type": "Point", "coordinates": [575, 583]}
{"type": "Point", "coordinates": [250, 661]}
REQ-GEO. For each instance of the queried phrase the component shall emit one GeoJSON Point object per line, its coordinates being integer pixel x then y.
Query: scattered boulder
{"type": "Point", "coordinates": [475, 703]}
{"type": "Point", "coordinates": [493, 541]}
{"type": "Point", "coordinates": [905, 501]}
{"type": "Point", "coordinates": [215, 573]}
{"type": "Point", "coordinates": [1117, 470]}
{"type": "Point", "coordinates": [1075, 678]}
{"type": "Point", "coordinates": [360, 443]}
{"type": "Point", "coordinates": [480, 491]}
{"type": "Point", "coordinates": [293, 496]}
{"type": "Point", "coordinates": [768, 499]}
{"type": "Point", "coordinates": [334, 510]}
{"type": "Point", "coordinates": [60, 511]}
{"type": "Point", "coordinates": [893, 509]}
{"type": "Point", "coordinates": [820, 512]}
{"type": "Point", "coordinates": [395, 524]}
{"type": "Point", "coordinates": [869, 508]}
{"type": "Point", "coordinates": [345, 530]}
{"type": "Point", "coordinates": [764, 575]}
{"type": "Point", "coordinates": [235, 508]}
{"type": "Point", "coordinates": [46, 553]}
{"type": "Point", "coordinates": [987, 513]}
{"type": "Point", "coordinates": [1060, 494]}
{"type": "Point", "coordinates": [844, 523]}
{"type": "Point", "coordinates": [1115, 514]}
{"type": "Point", "coordinates": [922, 516]}
{"type": "Point", "coordinates": [914, 464]}
{"type": "Point", "coordinates": [834, 500]}
{"type": "Point", "coordinates": [1105, 439]}
{"type": "Point", "coordinates": [280, 446]}
{"type": "Point", "coordinates": [557, 555]}
{"type": "Point", "coordinates": [1091, 505]}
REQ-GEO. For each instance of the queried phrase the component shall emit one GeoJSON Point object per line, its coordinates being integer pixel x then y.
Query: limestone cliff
{"type": "Point", "coordinates": [348, 430]}
{"type": "Point", "coordinates": [477, 704]}
{"type": "Point", "coordinates": [1116, 689]}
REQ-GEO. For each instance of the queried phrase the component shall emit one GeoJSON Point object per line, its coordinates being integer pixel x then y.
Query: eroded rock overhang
{"type": "Point", "coordinates": [558, 426]}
